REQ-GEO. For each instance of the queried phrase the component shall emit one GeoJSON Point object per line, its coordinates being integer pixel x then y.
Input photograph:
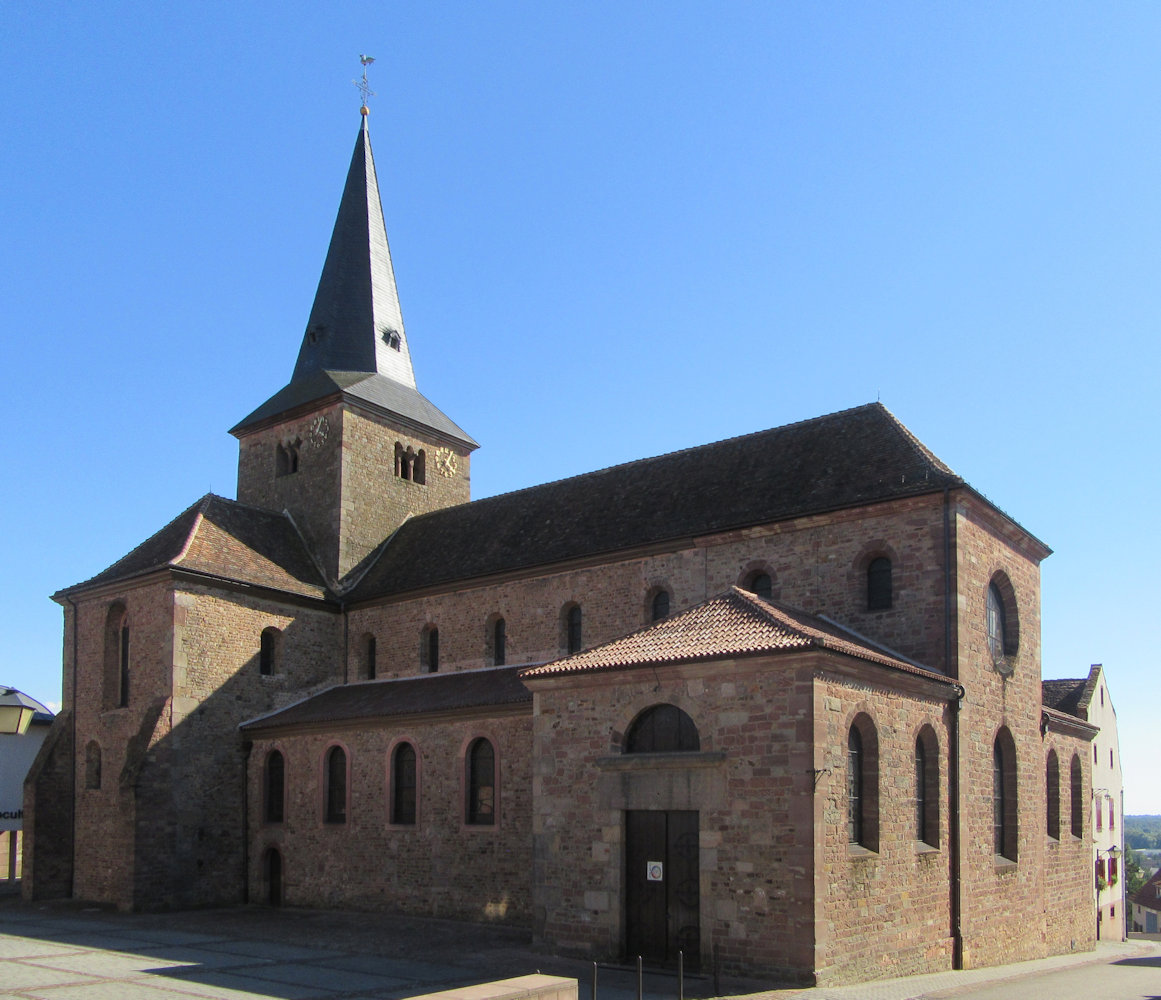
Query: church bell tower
{"type": "Point", "coordinates": [349, 447]}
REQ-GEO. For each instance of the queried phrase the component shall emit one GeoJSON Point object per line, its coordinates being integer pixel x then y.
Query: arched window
{"type": "Point", "coordinates": [572, 628]}
{"type": "Point", "coordinates": [1052, 788]}
{"type": "Point", "coordinates": [761, 584]}
{"type": "Point", "coordinates": [403, 785]}
{"type": "Point", "coordinates": [1005, 839]}
{"type": "Point", "coordinates": [336, 785]}
{"type": "Point", "coordinates": [93, 765]}
{"type": "Point", "coordinates": [419, 468]}
{"type": "Point", "coordinates": [369, 665]}
{"type": "Point", "coordinates": [116, 693]}
{"type": "Point", "coordinates": [863, 784]}
{"type": "Point", "coordinates": [268, 651]}
{"type": "Point", "coordinates": [927, 787]}
{"type": "Point", "coordinates": [481, 784]}
{"type": "Point", "coordinates": [660, 607]}
{"type": "Point", "coordinates": [662, 729]}
{"type": "Point", "coordinates": [1077, 789]}
{"type": "Point", "coordinates": [499, 642]}
{"type": "Point", "coordinates": [879, 584]}
{"type": "Point", "coordinates": [429, 649]}
{"type": "Point", "coordinates": [286, 457]}
{"type": "Point", "coordinates": [275, 787]}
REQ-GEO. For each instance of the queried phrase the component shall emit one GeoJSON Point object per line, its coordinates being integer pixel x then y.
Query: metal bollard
{"type": "Point", "coordinates": [594, 981]}
{"type": "Point", "coordinates": [640, 989]}
{"type": "Point", "coordinates": [680, 974]}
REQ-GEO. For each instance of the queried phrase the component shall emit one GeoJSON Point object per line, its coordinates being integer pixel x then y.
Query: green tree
{"type": "Point", "coordinates": [1134, 874]}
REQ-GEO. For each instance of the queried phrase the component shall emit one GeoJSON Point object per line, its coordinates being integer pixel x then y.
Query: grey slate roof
{"type": "Point", "coordinates": [1071, 695]}
{"type": "Point", "coordinates": [859, 456]}
{"type": "Point", "coordinates": [467, 689]}
{"type": "Point", "coordinates": [361, 387]}
{"type": "Point", "coordinates": [355, 345]}
{"type": "Point", "coordinates": [271, 536]}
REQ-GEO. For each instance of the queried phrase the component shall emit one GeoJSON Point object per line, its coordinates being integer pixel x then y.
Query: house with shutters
{"type": "Point", "coordinates": [773, 703]}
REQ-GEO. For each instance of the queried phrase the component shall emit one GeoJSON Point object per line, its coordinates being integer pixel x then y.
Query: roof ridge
{"type": "Point", "coordinates": [644, 461]}
{"type": "Point", "coordinates": [918, 446]}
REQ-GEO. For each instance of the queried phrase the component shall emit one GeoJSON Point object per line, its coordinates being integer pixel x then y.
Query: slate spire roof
{"type": "Point", "coordinates": [356, 315]}
{"type": "Point", "coordinates": [355, 345]}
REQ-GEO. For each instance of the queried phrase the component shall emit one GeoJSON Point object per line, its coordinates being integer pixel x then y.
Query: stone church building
{"type": "Point", "coordinates": [774, 702]}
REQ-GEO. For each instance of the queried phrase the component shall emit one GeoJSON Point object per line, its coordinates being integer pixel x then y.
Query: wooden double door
{"type": "Point", "coordinates": [662, 886]}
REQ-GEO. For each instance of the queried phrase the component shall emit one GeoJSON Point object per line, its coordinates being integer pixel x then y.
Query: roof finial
{"type": "Point", "coordinates": [362, 84]}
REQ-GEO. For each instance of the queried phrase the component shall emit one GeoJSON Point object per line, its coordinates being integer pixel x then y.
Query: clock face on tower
{"type": "Point", "coordinates": [445, 462]}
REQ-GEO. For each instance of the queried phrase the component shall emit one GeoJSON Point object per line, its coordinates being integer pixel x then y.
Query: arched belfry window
{"type": "Point", "coordinates": [1002, 622]}
{"type": "Point", "coordinates": [879, 584]}
{"type": "Point", "coordinates": [419, 468]}
{"type": "Point", "coordinates": [481, 783]}
{"type": "Point", "coordinates": [370, 656]}
{"type": "Point", "coordinates": [995, 622]}
{"type": "Point", "coordinates": [499, 642]}
{"type": "Point", "coordinates": [662, 729]}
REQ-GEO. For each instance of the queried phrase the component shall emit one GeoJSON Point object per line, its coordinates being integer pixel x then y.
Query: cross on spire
{"type": "Point", "coordinates": [364, 87]}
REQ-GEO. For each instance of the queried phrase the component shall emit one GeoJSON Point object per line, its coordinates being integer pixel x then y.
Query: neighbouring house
{"type": "Point", "coordinates": [1146, 905]}
{"type": "Point", "coordinates": [773, 702]}
{"type": "Point", "coordinates": [24, 723]}
{"type": "Point", "coordinates": [1088, 698]}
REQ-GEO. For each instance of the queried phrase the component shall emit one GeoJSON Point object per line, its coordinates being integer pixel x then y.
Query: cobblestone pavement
{"type": "Point", "coordinates": [68, 952]}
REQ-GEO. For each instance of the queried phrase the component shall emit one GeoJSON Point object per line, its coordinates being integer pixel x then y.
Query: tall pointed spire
{"type": "Point", "coordinates": [356, 324]}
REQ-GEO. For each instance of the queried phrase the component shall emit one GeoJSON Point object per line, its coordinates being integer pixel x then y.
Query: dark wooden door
{"type": "Point", "coordinates": [662, 888]}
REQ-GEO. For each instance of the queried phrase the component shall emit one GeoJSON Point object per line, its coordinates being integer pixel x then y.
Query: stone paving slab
{"type": "Point", "coordinates": [13, 946]}
{"type": "Point", "coordinates": [319, 977]}
{"type": "Point", "coordinates": [18, 975]}
{"type": "Point", "coordinates": [230, 985]}
{"type": "Point", "coordinates": [273, 950]}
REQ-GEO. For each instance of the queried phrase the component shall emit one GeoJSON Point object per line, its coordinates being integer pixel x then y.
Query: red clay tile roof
{"type": "Point", "coordinates": [484, 688]}
{"type": "Point", "coordinates": [268, 536]}
{"type": "Point", "coordinates": [737, 623]}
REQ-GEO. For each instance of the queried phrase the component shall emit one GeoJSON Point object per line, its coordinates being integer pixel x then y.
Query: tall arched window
{"type": "Point", "coordinates": [863, 783]}
{"type": "Point", "coordinates": [499, 642]}
{"type": "Point", "coordinates": [419, 468]}
{"type": "Point", "coordinates": [1077, 789]}
{"type": "Point", "coordinates": [662, 729]}
{"type": "Point", "coordinates": [879, 584]}
{"type": "Point", "coordinates": [275, 787]}
{"type": "Point", "coordinates": [370, 666]}
{"type": "Point", "coordinates": [927, 787]}
{"type": "Point", "coordinates": [572, 628]}
{"type": "Point", "coordinates": [1052, 788]}
{"type": "Point", "coordinates": [1005, 815]}
{"type": "Point", "coordinates": [403, 785]}
{"type": "Point", "coordinates": [481, 783]}
{"type": "Point", "coordinates": [116, 672]}
{"type": "Point", "coordinates": [429, 649]}
{"type": "Point", "coordinates": [336, 785]}
{"type": "Point", "coordinates": [660, 608]}
{"type": "Point", "coordinates": [268, 651]}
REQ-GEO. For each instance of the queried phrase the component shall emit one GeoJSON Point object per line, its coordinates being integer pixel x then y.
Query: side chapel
{"type": "Point", "coordinates": [774, 701]}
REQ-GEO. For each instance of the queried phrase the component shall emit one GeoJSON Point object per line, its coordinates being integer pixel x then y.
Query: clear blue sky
{"type": "Point", "coordinates": [619, 229]}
